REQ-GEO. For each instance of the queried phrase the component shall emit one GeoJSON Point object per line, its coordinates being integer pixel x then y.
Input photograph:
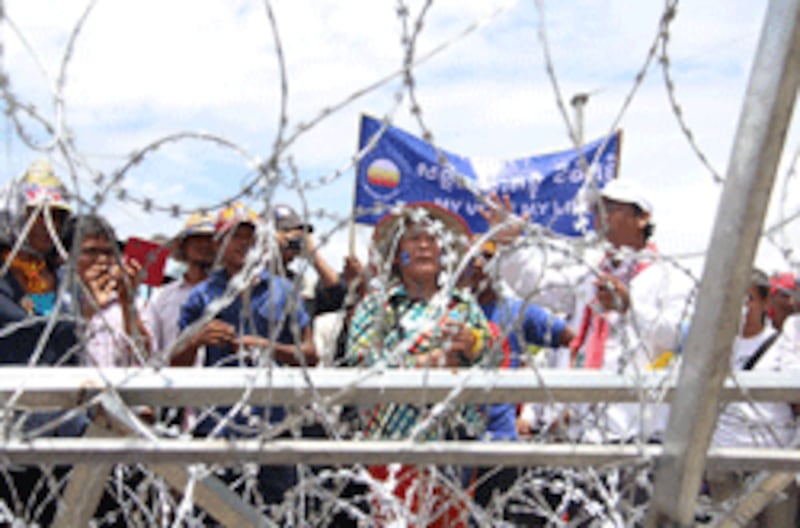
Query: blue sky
{"type": "Point", "coordinates": [144, 69]}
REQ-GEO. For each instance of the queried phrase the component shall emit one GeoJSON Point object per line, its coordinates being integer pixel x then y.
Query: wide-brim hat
{"type": "Point", "coordinates": [455, 233]}
{"type": "Point", "coordinates": [198, 223]}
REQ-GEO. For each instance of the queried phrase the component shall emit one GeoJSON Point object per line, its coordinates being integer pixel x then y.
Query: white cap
{"type": "Point", "coordinates": [625, 191]}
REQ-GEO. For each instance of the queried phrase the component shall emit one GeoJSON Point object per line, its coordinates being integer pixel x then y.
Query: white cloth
{"type": "Point", "coordinates": [749, 424]}
{"type": "Point", "coordinates": [546, 278]}
{"type": "Point", "coordinates": [787, 346]}
{"type": "Point", "coordinates": [162, 313]}
{"type": "Point", "coordinates": [327, 327]}
{"type": "Point", "coordinates": [652, 324]}
{"type": "Point", "coordinates": [649, 328]}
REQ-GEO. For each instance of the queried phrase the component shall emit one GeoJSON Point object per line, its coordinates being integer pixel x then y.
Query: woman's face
{"type": "Point", "coordinates": [418, 254]}
{"type": "Point", "coordinates": [39, 236]}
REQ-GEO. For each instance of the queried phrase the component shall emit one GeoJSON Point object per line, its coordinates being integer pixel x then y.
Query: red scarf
{"type": "Point", "coordinates": [594, 328]}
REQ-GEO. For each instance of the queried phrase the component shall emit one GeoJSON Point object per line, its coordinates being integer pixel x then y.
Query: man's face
{"type": "Point", "coordinates": [781, 305]}
{"type": "Point", "coordinates": [237, 243]}
{"type": "Point", "coordinates": [623, 225]}
{"type": "Point", "coordinates": [477, 279]}
{"type": "Point", "coordinates": [755, 304]}
{"type": "Point", "coordinates": [96, 257]}
{"type": "Point", "coordinates": [199, 250]}
{"type": "Point", "coordinates": [290, 242]}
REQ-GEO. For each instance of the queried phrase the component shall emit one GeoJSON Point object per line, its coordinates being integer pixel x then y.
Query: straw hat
{"type": "Point", "coordinates": [454, 232]}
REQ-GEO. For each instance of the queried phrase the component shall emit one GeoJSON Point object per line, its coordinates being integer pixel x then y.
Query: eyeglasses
{"type": "Point", "coordinates": [609, 207]}
{"type": "Point", "coordinates": [96, 252]}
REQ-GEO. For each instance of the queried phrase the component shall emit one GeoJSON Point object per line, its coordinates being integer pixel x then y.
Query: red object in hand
{"type": "Point", "coordinates": [151, 257]}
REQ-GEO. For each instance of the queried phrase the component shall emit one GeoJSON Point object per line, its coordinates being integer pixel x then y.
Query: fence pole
{"type": "Point", "coordinates": [761, 132]}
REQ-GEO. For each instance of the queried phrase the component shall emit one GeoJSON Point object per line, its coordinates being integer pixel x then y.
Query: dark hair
{"type": "Point", "coordinates": [760, 280]}
{"type": "Point", "coordinates": [89, 225]}
{"type": "Point", "coordinates": [650, 228]}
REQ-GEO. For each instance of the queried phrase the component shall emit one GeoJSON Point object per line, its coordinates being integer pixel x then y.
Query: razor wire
{"type": "Point", "coordinates": [138, 495]}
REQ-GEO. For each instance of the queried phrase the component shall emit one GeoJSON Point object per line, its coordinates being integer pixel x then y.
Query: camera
{"type": "Point", "coordinates": [295, 244]}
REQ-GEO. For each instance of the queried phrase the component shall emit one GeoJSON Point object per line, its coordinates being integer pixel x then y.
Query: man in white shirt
{"type": "Point", "coordinates": [627, 312]}
{"type": "Point", "coordinates": [784, 298]}
{"type": "Point", "coordinates": [787, 346]}
{"type": "Point", "coordinates": [196, 248]}
{"type": "Point", "coordinates": [751, 424]}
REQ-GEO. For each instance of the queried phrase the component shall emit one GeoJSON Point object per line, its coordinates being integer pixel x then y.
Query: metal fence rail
{"type": "Point", "coordinates": [59, 387]}
{"type": "Point", "coordinates": [98, 451]}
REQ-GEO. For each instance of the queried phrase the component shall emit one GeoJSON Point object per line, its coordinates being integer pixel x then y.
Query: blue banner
{"type": "Point", "coordinates": [403, 168]}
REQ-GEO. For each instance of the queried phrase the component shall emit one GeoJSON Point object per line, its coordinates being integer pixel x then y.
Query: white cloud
{"type": "Point", "coordinates": [144, 69]}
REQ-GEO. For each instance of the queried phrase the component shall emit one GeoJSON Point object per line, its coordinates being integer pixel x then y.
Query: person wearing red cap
{"type": "Point", "coordinates": [755, 424]}
{"type": "Point", "coordinates": [784, 298]}
{"type": "Point", "coordinates": [235, 232]}
{"type": "Point", "coordinates": [261, 323]}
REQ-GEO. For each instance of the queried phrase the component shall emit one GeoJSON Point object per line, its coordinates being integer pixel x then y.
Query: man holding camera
{"type": "Point", "coordinates": [295, 239]}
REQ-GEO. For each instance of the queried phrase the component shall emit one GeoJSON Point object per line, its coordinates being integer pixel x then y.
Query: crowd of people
{"type": "Point", "coordinates": [433, 295]}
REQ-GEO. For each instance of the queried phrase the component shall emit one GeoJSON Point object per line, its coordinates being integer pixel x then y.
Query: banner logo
{"type": "Point", "coordinates": [382, 180]}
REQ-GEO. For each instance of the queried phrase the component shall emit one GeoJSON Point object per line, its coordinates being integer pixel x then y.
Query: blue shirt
{"type": "Point", "coordinates": [269, 309]}
{"type": "Point", "coordinates": [524, 324]}
{"type": "Point", "coordinates": [273, 309]}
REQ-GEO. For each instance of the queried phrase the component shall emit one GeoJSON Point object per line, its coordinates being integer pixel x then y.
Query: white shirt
{"type": "Point", "coordinates": [659, 295]}
{"type": "Point", "coordinates": [327, 327]}
{"type": "Point", "coordinates": [749, 424]}
{"type": "Point", "coordinates": [161, 316]}
{"type": "Point", "coordinates": [107, 345]}
{"type": "Point", "coordinates": [787, 346]}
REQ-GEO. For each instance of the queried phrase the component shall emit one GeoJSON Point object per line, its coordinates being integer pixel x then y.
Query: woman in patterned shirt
{"type": "Point", "coordinates": [419, 319]}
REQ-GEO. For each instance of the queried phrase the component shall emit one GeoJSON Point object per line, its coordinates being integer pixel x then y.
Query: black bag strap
{"type": "Point", "coordinates": [752, 360]}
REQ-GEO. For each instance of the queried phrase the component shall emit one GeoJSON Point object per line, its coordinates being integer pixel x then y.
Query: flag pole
{"type": "Point", "coordinates": [351, 244]}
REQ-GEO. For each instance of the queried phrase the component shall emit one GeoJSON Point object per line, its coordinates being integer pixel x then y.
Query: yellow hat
{"type": "Point", "coordinates": [40, 185]}
{"type": "Point", "coordinates": [233, 215]}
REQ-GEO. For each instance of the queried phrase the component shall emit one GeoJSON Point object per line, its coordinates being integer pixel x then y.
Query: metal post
{"type": "Point", "coordinates": [87, 480]}
{"type": "Point", "coordinates": [85, 488]}
{"type": "Point", "coordinates": [578, 102]}
{"type": "Point", "coordinates": [759, 141]}
{"type": "Point", "coordinates": [212, 495]}
{"type": "Point", "coordinates": [768, 488]}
